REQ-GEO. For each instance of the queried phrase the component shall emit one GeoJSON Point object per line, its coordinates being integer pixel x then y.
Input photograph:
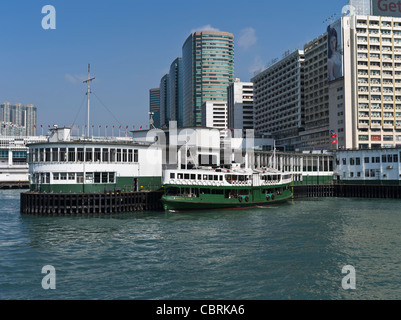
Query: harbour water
{"type": "Point", "coordinates": [292, 251]}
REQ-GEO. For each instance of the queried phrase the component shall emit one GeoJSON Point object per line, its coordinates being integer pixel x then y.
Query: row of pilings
{"type": "Point", "coordinates": [348, 191]}
{"type": "Point", "coordinates": [76, 204]}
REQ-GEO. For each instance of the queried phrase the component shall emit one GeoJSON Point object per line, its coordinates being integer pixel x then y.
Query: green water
{"type": "Point", "coordinates": [292, 251]}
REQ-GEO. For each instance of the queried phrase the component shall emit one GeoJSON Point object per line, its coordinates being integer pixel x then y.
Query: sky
{"type": "Point", "coordinates": [130, 45]}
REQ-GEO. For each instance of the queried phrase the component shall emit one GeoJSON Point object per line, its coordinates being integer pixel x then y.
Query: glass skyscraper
{"type": "Point", "coordinates": [208, 69]}
{"type": "Point", "coordinates": [154, 97]}
{"type": "Point", "coordinates": [18, 116]}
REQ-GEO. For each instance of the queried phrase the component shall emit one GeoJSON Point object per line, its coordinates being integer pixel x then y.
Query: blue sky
{"type": "Point", "coordinates": [130, 45]}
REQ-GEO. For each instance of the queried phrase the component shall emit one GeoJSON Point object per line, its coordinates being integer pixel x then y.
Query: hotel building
{"type": "Point", "coordinates": [208, 69]}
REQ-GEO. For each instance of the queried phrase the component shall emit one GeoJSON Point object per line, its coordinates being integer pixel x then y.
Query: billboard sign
{"type": "Point", "coordinates": [334, 51]}
{"type": "Point", "coordinates": [386, 8]}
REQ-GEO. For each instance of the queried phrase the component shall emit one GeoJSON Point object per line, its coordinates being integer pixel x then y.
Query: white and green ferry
{"type": "Point", "coordinates": [224, 188]}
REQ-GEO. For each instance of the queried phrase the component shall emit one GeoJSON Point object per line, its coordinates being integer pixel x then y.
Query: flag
{"type": "Point", "coordinates": [140, 127]}
{"type": "Point", "coordinates": [335, 141]}
{"type": "Point", "coordinates": [126, 127]}
{"type": "Point", "coordinates": [334, 135]}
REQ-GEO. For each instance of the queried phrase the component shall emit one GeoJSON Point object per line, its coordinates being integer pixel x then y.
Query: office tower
{"type": "Point", "coordinates": [279, 100]}
{"type": "Point", "coordinates": [164, 101]}
{"type": "Point", "coordinates": [316, 91]}
{"type": "Point", "coordinates": [208, 69]}
{"type": "Point", "coordinates": [18, 116]}
{"type": "Point", "coordinates": [240, 105]}
{"type": "Point", "coordinates": [370, 114]}
{"type": "Point", "coordinates": [175, 94]}
{"type": "Point", "coordinates": [154, 105]}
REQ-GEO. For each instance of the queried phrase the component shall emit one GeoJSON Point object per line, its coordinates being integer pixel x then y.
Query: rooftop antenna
{"type": "Point", "coordinates": [89, 92]}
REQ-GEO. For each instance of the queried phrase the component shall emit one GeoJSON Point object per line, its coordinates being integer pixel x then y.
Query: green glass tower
{"type": "Point", "coordinates": [208, 69]}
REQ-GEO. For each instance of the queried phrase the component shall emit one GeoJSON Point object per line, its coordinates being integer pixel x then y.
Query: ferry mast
{"type": "Point", "coordinates": [89, 92]}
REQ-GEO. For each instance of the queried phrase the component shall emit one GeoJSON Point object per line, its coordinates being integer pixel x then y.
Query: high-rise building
{"type": "Point", "coordinates": [214, 115]}
{"type": "Point", "coordinates": [240, 105]}
{"type": "Point", "coordinates": [18, 119]}
{"type": "Point", "coordinates": [279, 100]}
{"type": "Point", "coordinates": [208, 69]}
{"type": "Point", "coordinates": [368, 114]}
{"type": "Point", "coordinates": [154, 105]}
{"type": "Point", "coordinates": [316, 90]}
{"type": "Point", "coordinates": [175, 94]}
{"type": "Point", "coordinates": [165, 115]}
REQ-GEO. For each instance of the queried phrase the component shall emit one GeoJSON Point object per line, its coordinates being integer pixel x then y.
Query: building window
{"type": "Point", "coordinates": [88, 155]}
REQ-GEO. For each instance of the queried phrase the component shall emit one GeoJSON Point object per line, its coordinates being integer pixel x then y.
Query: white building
{"type": "Point", "coordinates": [240, 105]}
{"type": "Point", "coordinates": [368, 166]}
{"type": "Point", "coordinates": [214, 115]}
{"type": "Point", "coordinates": [369, 113]}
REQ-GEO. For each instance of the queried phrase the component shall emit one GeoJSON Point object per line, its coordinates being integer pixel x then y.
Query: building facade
{"type": "Point", "coordinates": [240, 105]}
{"type": "Point", "coordinates": [214, 115]}
{"type": "Point", "coordinates": [208, 69]}
{"type": "Point", "coordinates": [165, 110]}
{"type": "Point", "coordinates": [316, 135]}
{"type": "Point", "coordinates": [372, 81]}
{"type": "Point", "coordinates": [279, 100]}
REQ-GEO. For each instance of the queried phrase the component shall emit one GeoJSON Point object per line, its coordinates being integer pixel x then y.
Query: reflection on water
{"type": "Point", "coordinates": [293, 251]}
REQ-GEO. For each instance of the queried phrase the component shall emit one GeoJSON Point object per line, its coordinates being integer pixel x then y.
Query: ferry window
{"type": "Point", "coordinates": [112, 155]}
{"type": "Point", "coordinates": [205, 191]}
{"type": "Point", "coordinates": [71, 154]}
{"type": "Point", "coordinates": [199, 177]}
{"type": "Point", "coordinates": [42, 155]}
{"type": "Point", "coordinates": [193, 176]}
{"type": "Point", "coordinates": [88, 155]}
{"type": "Point", "coordinates": [80, 154]}
{"type": "Point", "coordinates": [186, 176]}
{"type": "Point", "coordinates": [217, 191]}
{"type": "Point", "coordinates": [377, 159]}
{"type": "Point", "coordinates": [55, 154]}
{"type": "Point", "coordinates": [47, 177]}
{"type": "Point", "coordinates": [118, 155]}
{"type": "Point", "coordinates": [47, 155]}
{"type": "Point", "coordinates": [124, 155]}
{"type": "Point", "coordinates": [71, 176]}
{"type": "Point", "coordinates": [390, 158]}
{"type": "Point", "coordinates": [210, 178]}
{"type": "Point", "coordinates": [63, 155]}
{"type": "Point", "coordinates": [80, 177]}
{"type": "Point", "coordinates": [228, 177]}
{"type": "Point", "coordinates": [130, 158]}
{"type": "Point", "coordinates": [56, 176]}
{"type": "Point", "coordinates": [97, 155]}
{"type": "Point", "coordinates": [384, 158]}
{"type": "Point", "coordinates": [105, 155]}
{"type": "Point", "coordinates": [172, 175]}
{"type": "Point", "coordinates": [136, 157]}
{"type": "Point", "coordinates": [111, 177]}
{"type": "Point", "coordinates": [216, 178]}
{"type": "Point", "coordinates": [221, 178]}
{"type": "Point", "coordinates": [97, 177]}
{"type": "Point", "coordinates": [395, 158]}
{"type": "Point", "coordinates": [205, 177]}
{"type": "Point", "coordinates": [104, 177]}
{"type": "Point", "coordinates": [89, 177]}
{"type": "Point", "coordinates": [63, 176]}
{"type": "Point", "coordinates": [179, 176]}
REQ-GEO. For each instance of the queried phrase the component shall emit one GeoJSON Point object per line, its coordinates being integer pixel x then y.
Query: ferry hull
{"type": "Point", "coordinates": [188, 204]}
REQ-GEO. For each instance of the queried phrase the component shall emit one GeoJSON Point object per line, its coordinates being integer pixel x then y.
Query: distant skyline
{"type": "Point", "coordinates": [130, 46]}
